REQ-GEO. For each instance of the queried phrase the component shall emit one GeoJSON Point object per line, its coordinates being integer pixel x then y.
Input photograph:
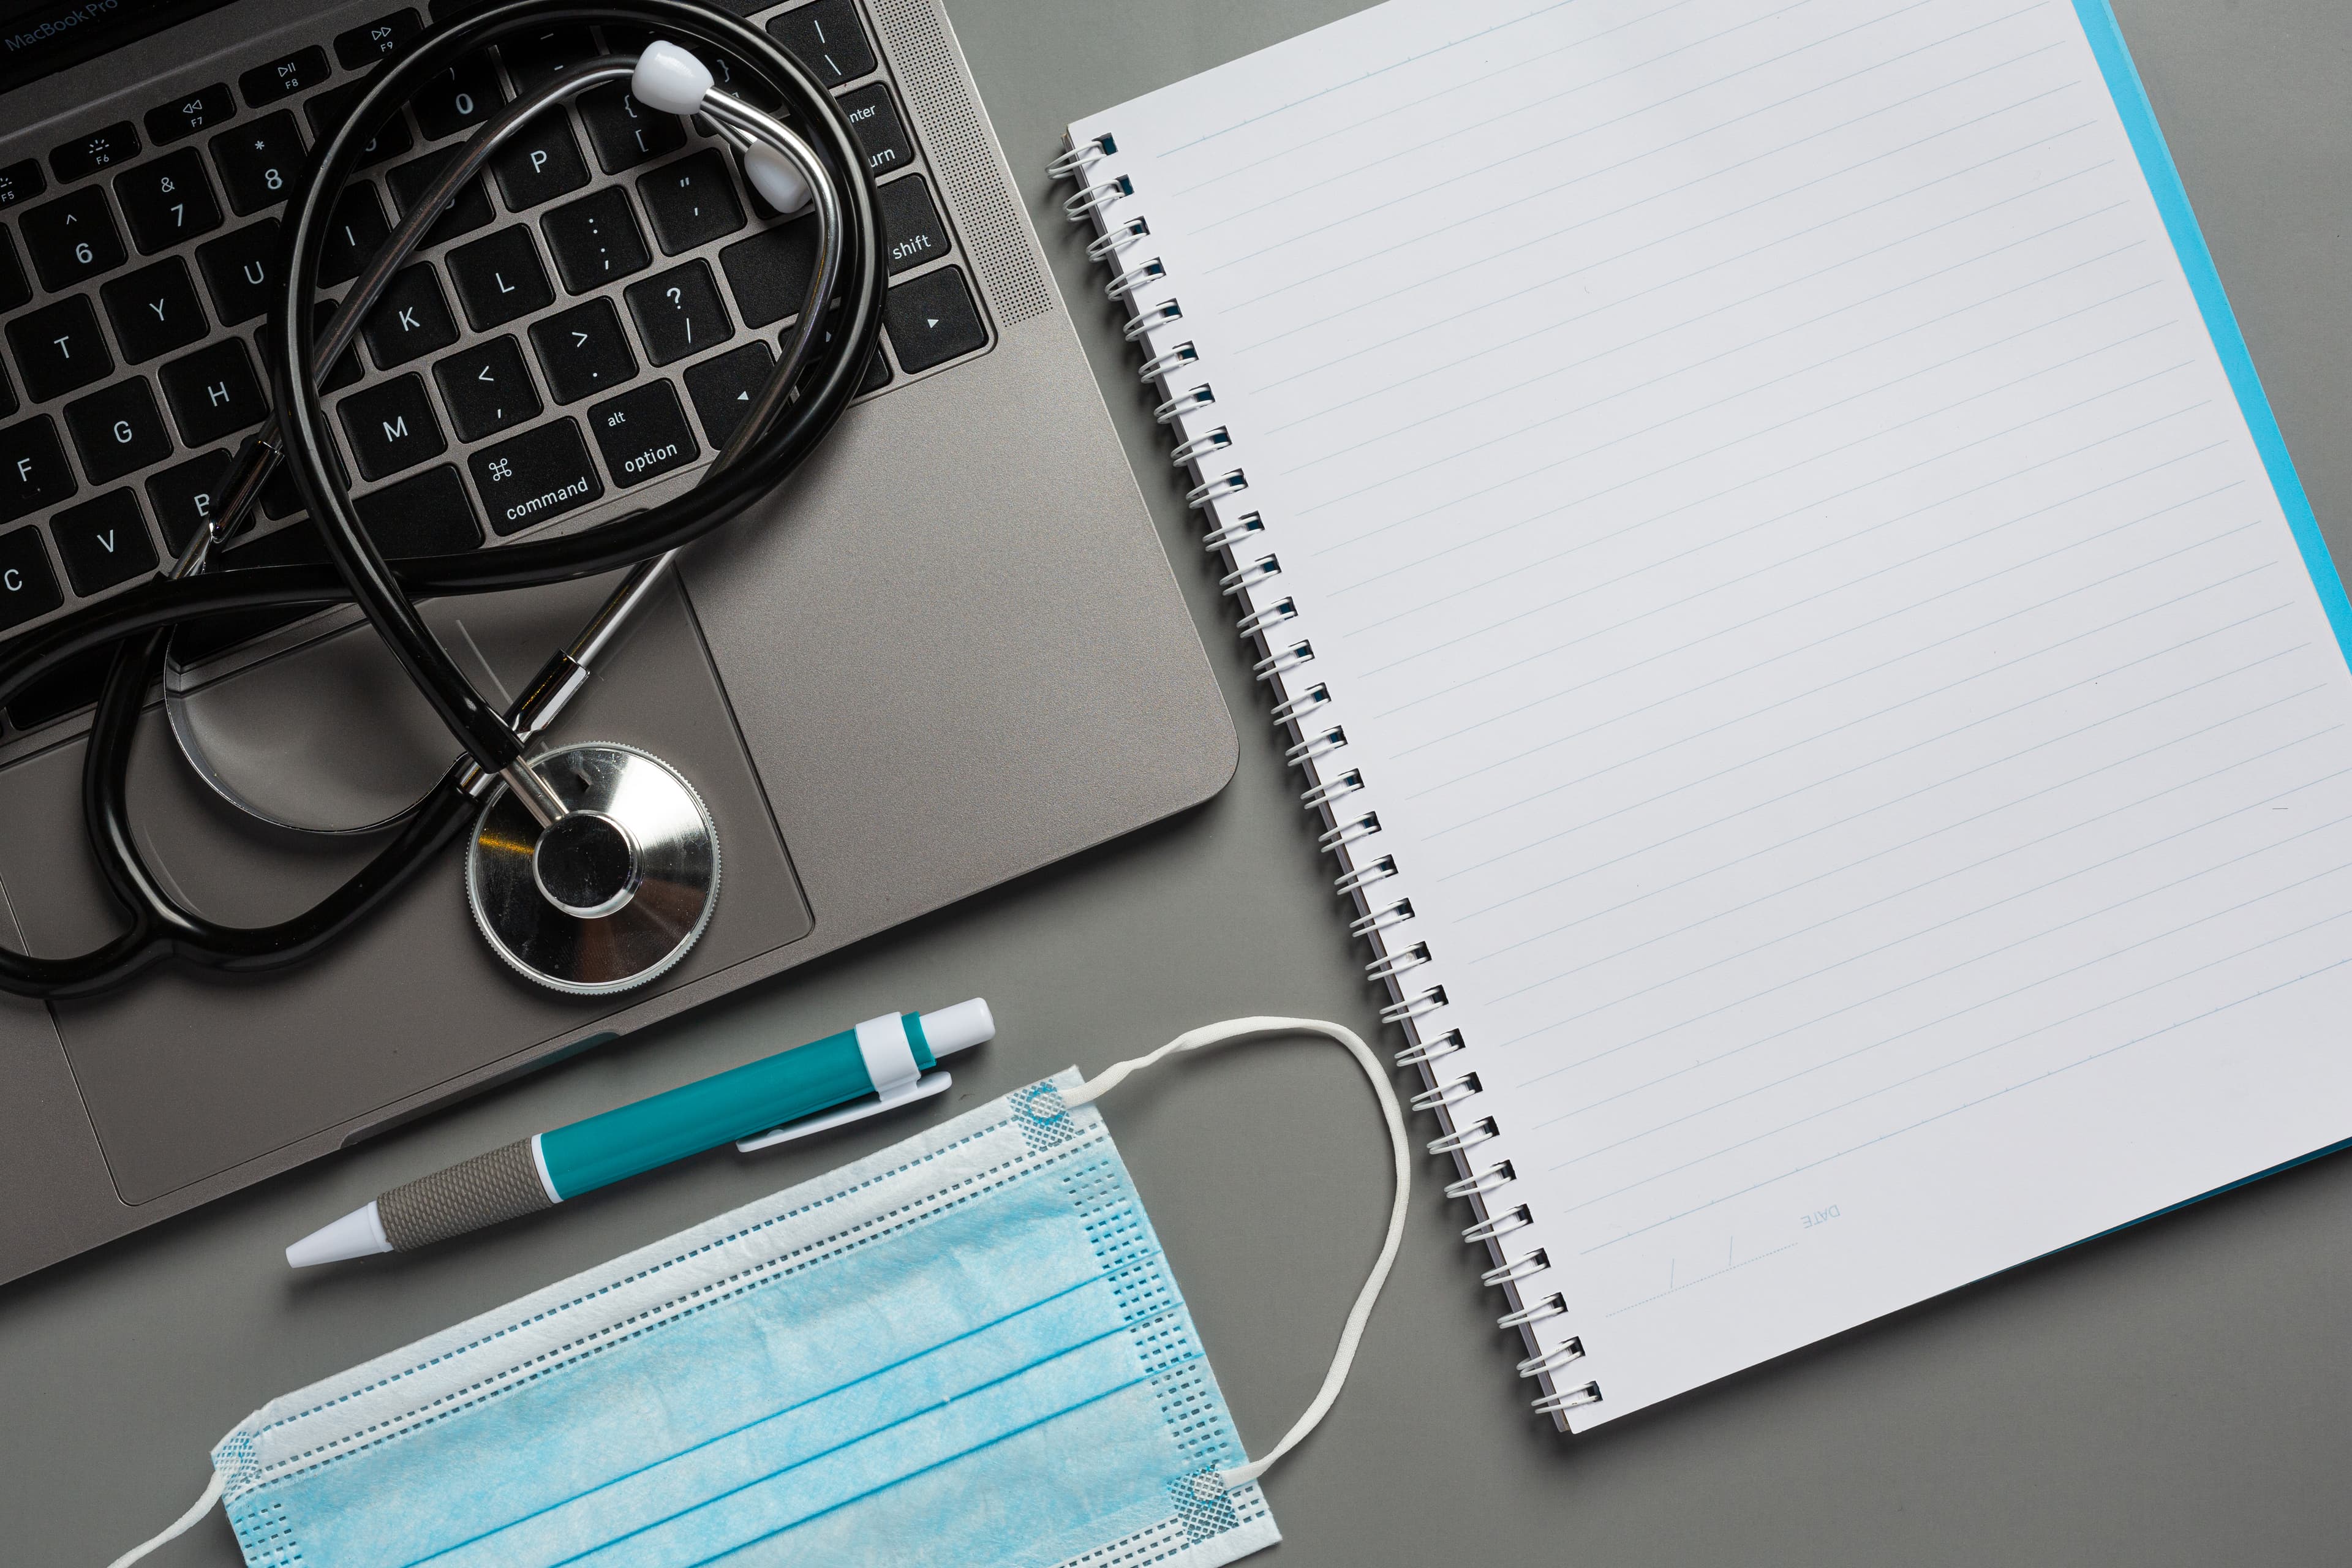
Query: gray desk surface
{"type": "Point", "coordinates": [2181, 1393]}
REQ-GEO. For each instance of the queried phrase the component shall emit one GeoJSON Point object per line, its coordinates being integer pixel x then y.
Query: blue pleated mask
{"type": "Point", "coordinates": [965, 1351]}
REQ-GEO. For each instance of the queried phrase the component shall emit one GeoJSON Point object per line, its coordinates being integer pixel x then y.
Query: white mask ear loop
{"type": "Point", "coordinates": [1352, 1333]}
{"type": "Point", "coordinates": [185, 1522]}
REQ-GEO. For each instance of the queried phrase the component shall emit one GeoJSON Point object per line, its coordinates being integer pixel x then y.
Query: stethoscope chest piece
{"type": "Point", "coordinates": [616, 892]}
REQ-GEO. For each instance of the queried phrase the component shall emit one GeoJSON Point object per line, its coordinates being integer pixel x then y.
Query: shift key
{"type": "Point", "coordinates": [538, 474]}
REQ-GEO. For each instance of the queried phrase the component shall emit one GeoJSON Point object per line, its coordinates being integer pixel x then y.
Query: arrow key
{"type": "Point", "coordinates": [104, 541]}
{"type": "Point", "coordinates": [932, 319]}
{"type": "Point", "coordinates": [722, 388]}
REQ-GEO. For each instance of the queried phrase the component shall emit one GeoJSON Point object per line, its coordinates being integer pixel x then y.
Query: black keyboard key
{"type": "Point", "coordinates": [34, 473]}
{"type": "Point", "coordinates": [623, 131]}
{"type": "Point", "coordinates": [237, 267]}
{"type": "Point", "coordinates": [595, 240]}
{"type": "Point", "coordinates": [27, 586]}
{"type": "Point", "coordinates": [7, 395]}
{"type": "Point", "coordinates": [86, 156]}
{"type": "Point", "coordinates": [912, 233]}
{"type": "Point", "coordinates": [456, 98]}
{"type": "Point", "coordinates": [535, 476]}
{"type": "Point", "coordinates": [182, 495]}
{"type": "Point", "coordinates": [826, 38]}
{"type": "Point", "coordinates": [643, 433]}
{"type": "Point", "coordinates": [411, 319]}
{"type": "Point", "coordinates": [298, 72]}
{"type": "Point", "coordinates": [467, 211]}
{"type": "Point", "coordinates": [347, 369]}
{"type": "Point", "coordinates": [57, 348]}
{"type": "Point", "coordinates": [540, 164]}
{"type": "Point", "coordinates": [678, 312]}
{"type": "Point", "coordinates": [542, 56]}
{"type": "Point", "coordinates": [875, 118]}
{"type": "Point", "coordinates": [104, 541]}
{"type": "Point", "coordinates": [499, 278]}
{"type": "Point", "coordinates": [363, 47]}
{"type": "Point", "coordinates": [154, 309]}
{"type": "Point", "coordinates": [260, 161]}
{"type": "Point", "coordinates": [723, 388]}
{"type": "Point", "coordinates": [167, 200]}
{"type": "Point", "coordinates": [877, 374]}
{"type": "Point", "coordinates": [487, 388]}
{"type": "Point", "coordinates": [691, 202]}
{"type": "Point", "coordinates": [119, 430]}
{"type": "Point", "coordinates": [214, 392]}
{"type": "Point", "coordinates": [189, 113]}
{"type": "Point", "coordinates": [392, 426]}
{"type": "Point", "coordinates": [932, 319]}
{"type": "Point", "coordinates": [15, 288]}
{"type": "Point", "coordinates": [428, 515]}
{"type": "Point", "coordinates": [358, 228]}
{"type": "Point", "coordinates": [770, 272]}
{"type": "Point", "coordinates": [583, 352]}
{"type": "Point", "coordinates": [21, 181]}
{"type": "Point", "coordinates": [329, 109]}
{"type": "Point", "coordinates": [72, 239]}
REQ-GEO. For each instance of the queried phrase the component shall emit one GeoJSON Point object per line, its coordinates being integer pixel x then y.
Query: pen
{"type": "Point", "coordinates": [754, 1106]}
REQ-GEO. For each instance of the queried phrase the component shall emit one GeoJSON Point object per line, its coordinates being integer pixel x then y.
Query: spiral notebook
{"type": "Point", "coordinates": [1825, 693]}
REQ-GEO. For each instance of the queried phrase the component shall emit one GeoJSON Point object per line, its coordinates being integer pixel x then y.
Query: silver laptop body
{"type": "Point", "coordinates": [950, 653]}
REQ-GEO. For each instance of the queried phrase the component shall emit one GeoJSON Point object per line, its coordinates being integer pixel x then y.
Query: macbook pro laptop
{"type": "Point", "coordinates": [950, 652]}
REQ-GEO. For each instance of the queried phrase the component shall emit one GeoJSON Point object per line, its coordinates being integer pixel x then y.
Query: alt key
{"type": "Point", "coordinates": [642, 434]}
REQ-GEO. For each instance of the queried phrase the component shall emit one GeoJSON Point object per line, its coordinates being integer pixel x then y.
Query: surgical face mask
{"type": "Point", "coordinates": [966, 1350]}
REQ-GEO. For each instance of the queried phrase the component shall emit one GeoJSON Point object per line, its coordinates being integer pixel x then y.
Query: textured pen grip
{"type": "Point", "coordinates": [499, 1185]}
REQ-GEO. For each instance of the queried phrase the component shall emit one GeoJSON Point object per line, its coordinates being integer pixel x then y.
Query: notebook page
{"type": "Point", "coordinates": [1852, 710]}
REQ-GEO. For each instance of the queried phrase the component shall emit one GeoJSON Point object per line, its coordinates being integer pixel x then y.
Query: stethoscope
{"type": "Point", "coordinates": [591, 867]}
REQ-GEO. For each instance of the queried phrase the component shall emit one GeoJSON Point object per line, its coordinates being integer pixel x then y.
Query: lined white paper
{"type": "Point", "coordinates": [1867, 758]}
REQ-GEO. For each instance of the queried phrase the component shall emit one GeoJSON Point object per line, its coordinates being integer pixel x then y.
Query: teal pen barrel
{"type": "Point", "coordinates": [698, 1116]}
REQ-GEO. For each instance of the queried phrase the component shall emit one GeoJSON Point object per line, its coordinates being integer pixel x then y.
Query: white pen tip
{"type": "Point", "coordinates": [359, 1234]}
{"type": "Point", "coordinates": [959, 1028]}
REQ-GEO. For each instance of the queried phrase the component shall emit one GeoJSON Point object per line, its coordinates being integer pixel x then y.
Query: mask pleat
{"type": "Point", "coordinates": [987, 1351]}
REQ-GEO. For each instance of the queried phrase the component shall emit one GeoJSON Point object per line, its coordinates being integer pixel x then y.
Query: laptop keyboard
{"type": "Point", "coordinates": [593, 314]}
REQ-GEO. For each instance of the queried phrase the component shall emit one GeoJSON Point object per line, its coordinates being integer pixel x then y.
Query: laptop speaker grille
{"type": "Point", "coordinates": [995, 234]}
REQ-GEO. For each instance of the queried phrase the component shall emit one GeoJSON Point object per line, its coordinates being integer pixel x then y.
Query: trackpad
{"type": "Point", "coordinates": [187, 1075]}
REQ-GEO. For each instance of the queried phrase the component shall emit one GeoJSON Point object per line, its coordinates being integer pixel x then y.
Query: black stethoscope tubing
{"type": "Point", "coordinates": [139, 622]}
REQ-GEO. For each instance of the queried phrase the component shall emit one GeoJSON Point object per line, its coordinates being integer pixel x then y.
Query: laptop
{"type": "Point", "coordinates": [950, 652]}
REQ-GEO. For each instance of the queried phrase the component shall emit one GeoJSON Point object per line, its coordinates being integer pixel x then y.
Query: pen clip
{"type": "Point", "coordinates": [923, 1087]}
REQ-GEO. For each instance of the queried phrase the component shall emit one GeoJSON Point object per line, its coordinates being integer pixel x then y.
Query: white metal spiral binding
{"type": "Point", "coordinates": [1117, 237]}
{"type": "Point", "coordinates": [1315, 695]}
{"type": "Point", "coordinates": [1184, 403]}
{"type": "Point", "coordinates": [1552, 1306]}
{"type": "Point", "coordinates": [1249, 522]}
{"type": "Point", "coordinates": [1184, 452]}
{"type": "Point", "coordinates": [1317, 744]}
{"type": "Point", "coordinates": [1152, 316]}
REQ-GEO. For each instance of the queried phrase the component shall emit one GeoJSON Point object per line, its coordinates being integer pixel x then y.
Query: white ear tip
{"type": "Point", "coordinates": [668, 80]}
{"type": "Point", "coordinates": [777, 179]}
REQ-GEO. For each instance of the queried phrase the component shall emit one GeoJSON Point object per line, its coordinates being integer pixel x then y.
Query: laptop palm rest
{"type": "Point", "coordinates": [187, 1075]}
